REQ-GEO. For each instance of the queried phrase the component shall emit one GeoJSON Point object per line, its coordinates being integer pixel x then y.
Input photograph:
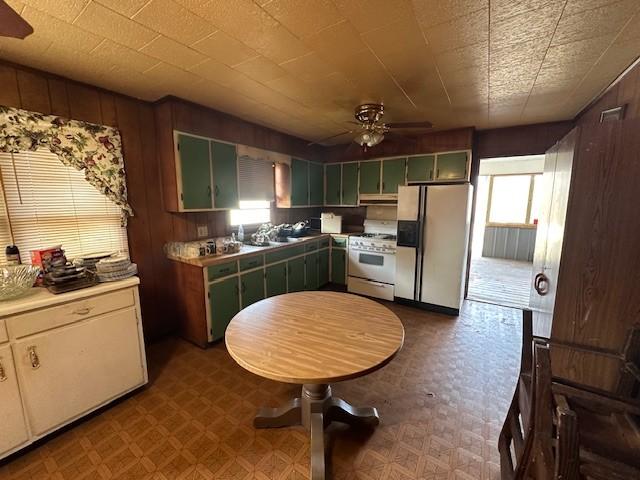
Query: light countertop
{"type": "Point", "coordinates": [40, 297]}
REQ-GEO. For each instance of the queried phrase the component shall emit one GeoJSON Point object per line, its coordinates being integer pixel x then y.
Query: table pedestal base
{"type": "Point", "coordinates": [316, 409]}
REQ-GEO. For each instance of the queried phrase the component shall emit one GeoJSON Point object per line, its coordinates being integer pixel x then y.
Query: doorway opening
{"type": "Point", "coordinates": [504, 232]}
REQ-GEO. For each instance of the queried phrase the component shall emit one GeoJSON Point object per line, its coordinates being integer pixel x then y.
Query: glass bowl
{"type": "Point", "coordinates": [17, 280]}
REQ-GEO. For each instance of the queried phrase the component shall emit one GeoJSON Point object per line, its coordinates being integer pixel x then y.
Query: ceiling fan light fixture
{"type": "Point", "coordinates": [369, 138]}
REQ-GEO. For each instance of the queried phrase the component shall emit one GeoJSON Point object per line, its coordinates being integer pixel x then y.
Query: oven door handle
{"type": "Point", "coordinates": [377, 284]}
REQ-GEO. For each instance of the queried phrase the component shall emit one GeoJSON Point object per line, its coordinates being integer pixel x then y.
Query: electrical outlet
{"type": "Point", "coordinates": [203, 231]}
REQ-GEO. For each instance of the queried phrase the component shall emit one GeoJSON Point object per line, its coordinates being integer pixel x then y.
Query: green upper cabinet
{"type": "Point", "coordinates": [349, 183]}
{"type": "Point", "coordinates": [316, 184]}
{"type": "Point", "coordinates": [195, 172]}
{"type": "Point", "coordinates": [420, 168]}
{"type": "Point", "coordinates": [299, 182]}
{"type": "Point", "coordinates": [323, 267]}
{"type": "Point", "coordinates": [295, 274]}
{"type": "Point", "coordinates": [393, 174]}
{"type": "Point", "coordinates": [252, 287]}
{"type": "Point", "coordinates": [224, 302]}
{"type": "Point", "coordinates": [333, 181]}
{"type": "Point", "coordinates": [370, 177]}
{"type": "Point", "coordinates": [276, 277]}
{"type": "Point", "coordinates": [225, 175]}
{"type": "Point", "coordinates": [451, 166]}
{"type": "Point", "coordinates": [311, 263]}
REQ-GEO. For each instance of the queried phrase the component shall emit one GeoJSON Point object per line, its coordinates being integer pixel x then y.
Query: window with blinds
{"type": "Point", "coordinates": [51, 204]}
{"type": "Point", "coordinates": [256, 191]}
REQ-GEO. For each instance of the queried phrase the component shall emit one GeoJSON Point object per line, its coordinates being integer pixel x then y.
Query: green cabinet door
{"type": "Point", "coordinates": [323, 267]}
{"type": "Point", "coordinates": [299, 182]}
{"type": "Point", "coordinates": [225, 175]}
{"type": "Point", "coordinates": [333, 176]}
{"type": "Point", "coordinates": [339, 266]}
{"type": "Point", "coordinates": [276, 276]}
{"type": "Point", "coordinates": [311, 263]}
{"type": "Point", "coordinates": [452, 166]}
{"type": "Point", "coordinates": [350, 184]}
{"type": "Point", "coordinates": [370, 177]}
{"type": "Point", "coordinates": [316, 184]}
{"type": "Point", "coordinates": [224, 301]}
{"type": "Point", "coordinates": [252, 287]}
{"type": "Point", "coordinates": [295, 274]}
{"type": "Point", "coordinates": [420, 169]}
{"type": "Point", "coordinates": [195, 172]}
{"type": "Point", "coordinates": [393, 173]}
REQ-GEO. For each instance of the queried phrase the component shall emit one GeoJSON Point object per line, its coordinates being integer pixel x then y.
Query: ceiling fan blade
{"type": "Point", "coordinates": [12, 24]}
{"type": "Point", "coordinates": [322, 140]}
{"type": "Point", "coordinates": [424, 124]}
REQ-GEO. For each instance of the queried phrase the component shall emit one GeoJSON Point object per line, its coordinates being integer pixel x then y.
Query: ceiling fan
{"type": "Point", "coordinates": [371, 129]}
{"type": "Point", "coordinates": [12, 24]}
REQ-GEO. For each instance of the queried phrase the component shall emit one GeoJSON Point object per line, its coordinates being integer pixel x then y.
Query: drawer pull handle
{"type": "Point", "coordinates": [82, 311]}
{"type": "Point", "coordinates": [3, 374]}
{"type": "Point", "coordinates": [33, 357]}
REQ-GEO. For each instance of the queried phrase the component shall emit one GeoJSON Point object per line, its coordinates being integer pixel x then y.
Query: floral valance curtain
{"type": "Point", "coordinates": [94, 149]}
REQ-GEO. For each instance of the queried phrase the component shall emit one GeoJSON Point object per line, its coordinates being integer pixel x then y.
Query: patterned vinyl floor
{"type": "Point", "coordinates": [442, 401]}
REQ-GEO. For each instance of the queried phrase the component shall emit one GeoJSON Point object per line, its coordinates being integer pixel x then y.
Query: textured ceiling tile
{"type": "Point", "coordinates": [216, 71]}
{"type": "Point", "coordinates": [223, 48]}
{"type": "Point", "coordinates": [434, 12]}
{"type": "Point", "coordinates": [528, 26]}
{"type": "Point", "coordinates": [168, 75]}
{"type": "Point", "coordinates": [577, 6]}
{"type": "Point", "coordinates": [294, 89]}
{"type": "Point", "coordinates": [594, 23]}
{"type": "Point", "coordinates": [476, 55]}
{"type": "Point", "coordinates": [396, 38]}
{"type": "Point", "coordinates": [504, 9]}
{"type": "Point", "coordinates": [582, 51]}
{"type": "Point", "coordinates": [532, 51]}
{"type": "Point", "coordinates": [170, 51]}
{"type": "Point", "coordinates": [304, 17]}
{"type": "Point", "coordinates": [59, 32]}
{"type": "Point", "coordinates": [367, 15]}
{"type": "Point", "coordinates": [124, 57]}
{"type": "Point", "coordinates": [128, 8]}
{"type": "Point", "coordinates": [261, 69]}
{"type": "Point", "coordinates": [134, 83]}
{"type": "Point", "coordinates": [107, 23]}
{"type": "Point", "coordinates": [28, 51]}
{"type": "Point", "coordinates": [631, 31]}
{"type": "Point", "coordinates": [460, 32]}
{"type": "Point", "coordinates": [173, 20]}
{"type": "Point", "coordinates": [471, 78]}
{"type": "Point", "coordinates": [308, 67]}
{"type": "Point", "coordinates": [338, 41]}
{"type": "Point", "coordinates": [66, 10]}
{"type": "Point", "coordinates": [279, 45]}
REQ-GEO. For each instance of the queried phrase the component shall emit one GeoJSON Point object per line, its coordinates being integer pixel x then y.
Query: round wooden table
{"type": "Point", "coordinates": [313, 339]}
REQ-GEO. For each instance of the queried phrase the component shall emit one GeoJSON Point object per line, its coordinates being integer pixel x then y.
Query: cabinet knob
{"type": "Point", "coordinates": [216, 190]}
{"type": "Point", "coordinates": [33, 357]}
{"type": "Point", "coordinates": [3, 374]}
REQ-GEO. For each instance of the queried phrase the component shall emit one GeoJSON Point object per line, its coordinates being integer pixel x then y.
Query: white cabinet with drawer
{"type": "Point", "coordinates": [68, 356]}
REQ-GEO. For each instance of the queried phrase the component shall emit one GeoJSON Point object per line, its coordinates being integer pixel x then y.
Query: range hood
{"type": "Point", "coordinates": [379, 199]}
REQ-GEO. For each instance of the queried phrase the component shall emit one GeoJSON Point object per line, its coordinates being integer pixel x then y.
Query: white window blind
{"type": "Point", "coordinates": [52, 204]}
{"type": "Point", "coordinates": [255, 177]}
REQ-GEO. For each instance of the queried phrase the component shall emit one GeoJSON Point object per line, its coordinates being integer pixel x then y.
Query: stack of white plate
{"type": "Point", "coordinates": [116, 267]}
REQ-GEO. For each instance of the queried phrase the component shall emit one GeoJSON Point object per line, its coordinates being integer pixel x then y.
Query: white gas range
{"type": "Point", "coordinates": [372, 260]}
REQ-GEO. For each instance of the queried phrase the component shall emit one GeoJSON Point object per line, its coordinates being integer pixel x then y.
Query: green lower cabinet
{"type": "Point", "coordinates": [224, 303]}
{"type": "Point", "coordinates": [333, 175]}
{"type": "Point", "coordinates": [311, 262]}
{"type": "Point", "coordinates": [452, 166]}
{"type": "Point", "coordinates": [350, 184]}
{"type": "Point", "coordinates": [420, 168]}
{"type": "Point", "coordinates": [323, 267]}
{"type": "Point", "coordinates": [339, 266]}
{"type": "Point", "coordinates": [393, 174]}
{"type": "Point", "coordinates": [295, 274]}
{"type": "Point", "coordinates": [276, 276]}
{"type": "Point", "coordinates": [370, 177]}
{"type": "Point", "coordinates": [252, 287]}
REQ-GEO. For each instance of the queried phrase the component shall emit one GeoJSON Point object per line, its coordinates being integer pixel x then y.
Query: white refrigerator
{"type": "Point", "coordinates": [433, 242]}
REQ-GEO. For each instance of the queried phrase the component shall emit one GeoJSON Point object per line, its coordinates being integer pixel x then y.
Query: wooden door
{"type": "Point", "coordinates": [316, 184]}
{"type": "Point", "coordinates": [68, 371]}
{"type": "Point", "coordinates": [195, 172]}
{"type": "Point", "coordinates": [550, 235]}
{"type": "Point", "coordinates": [225, 175]}
{"type": "Point", "coordinates": [420, 168]}
{"type": "Point", "coordinates": [252, 287]}
{"type": "Point", "coordinates": [295, 275]}
{"type": "Point", "coordinates": [350, 184]}
{"type": "Point", "coordinates": [393, 174]}
{"type": "Point", "coordinates": [276, 279]}
{"type": "Point", "coordinates": [333, 184]}
{"type": "Point", "coordinates": [12, 422]}
{"type": "Point", "coordinates": [299, 182]}
{"type": "Point", "coordinates": [224, 302]}
{"type": "Point", "coordinates": [370, 177]}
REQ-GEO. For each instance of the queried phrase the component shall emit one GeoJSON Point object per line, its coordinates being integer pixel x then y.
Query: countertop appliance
{"type": "Point", "coordinates": [330, 223]}
{"type": "Point", "coordinates": [432, 246]}
{"type": "Point", "coordinates": [372, 260]}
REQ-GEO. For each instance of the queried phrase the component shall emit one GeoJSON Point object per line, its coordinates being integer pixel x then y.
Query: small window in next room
{"type": "Point", "coordinates": [514, 199]}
